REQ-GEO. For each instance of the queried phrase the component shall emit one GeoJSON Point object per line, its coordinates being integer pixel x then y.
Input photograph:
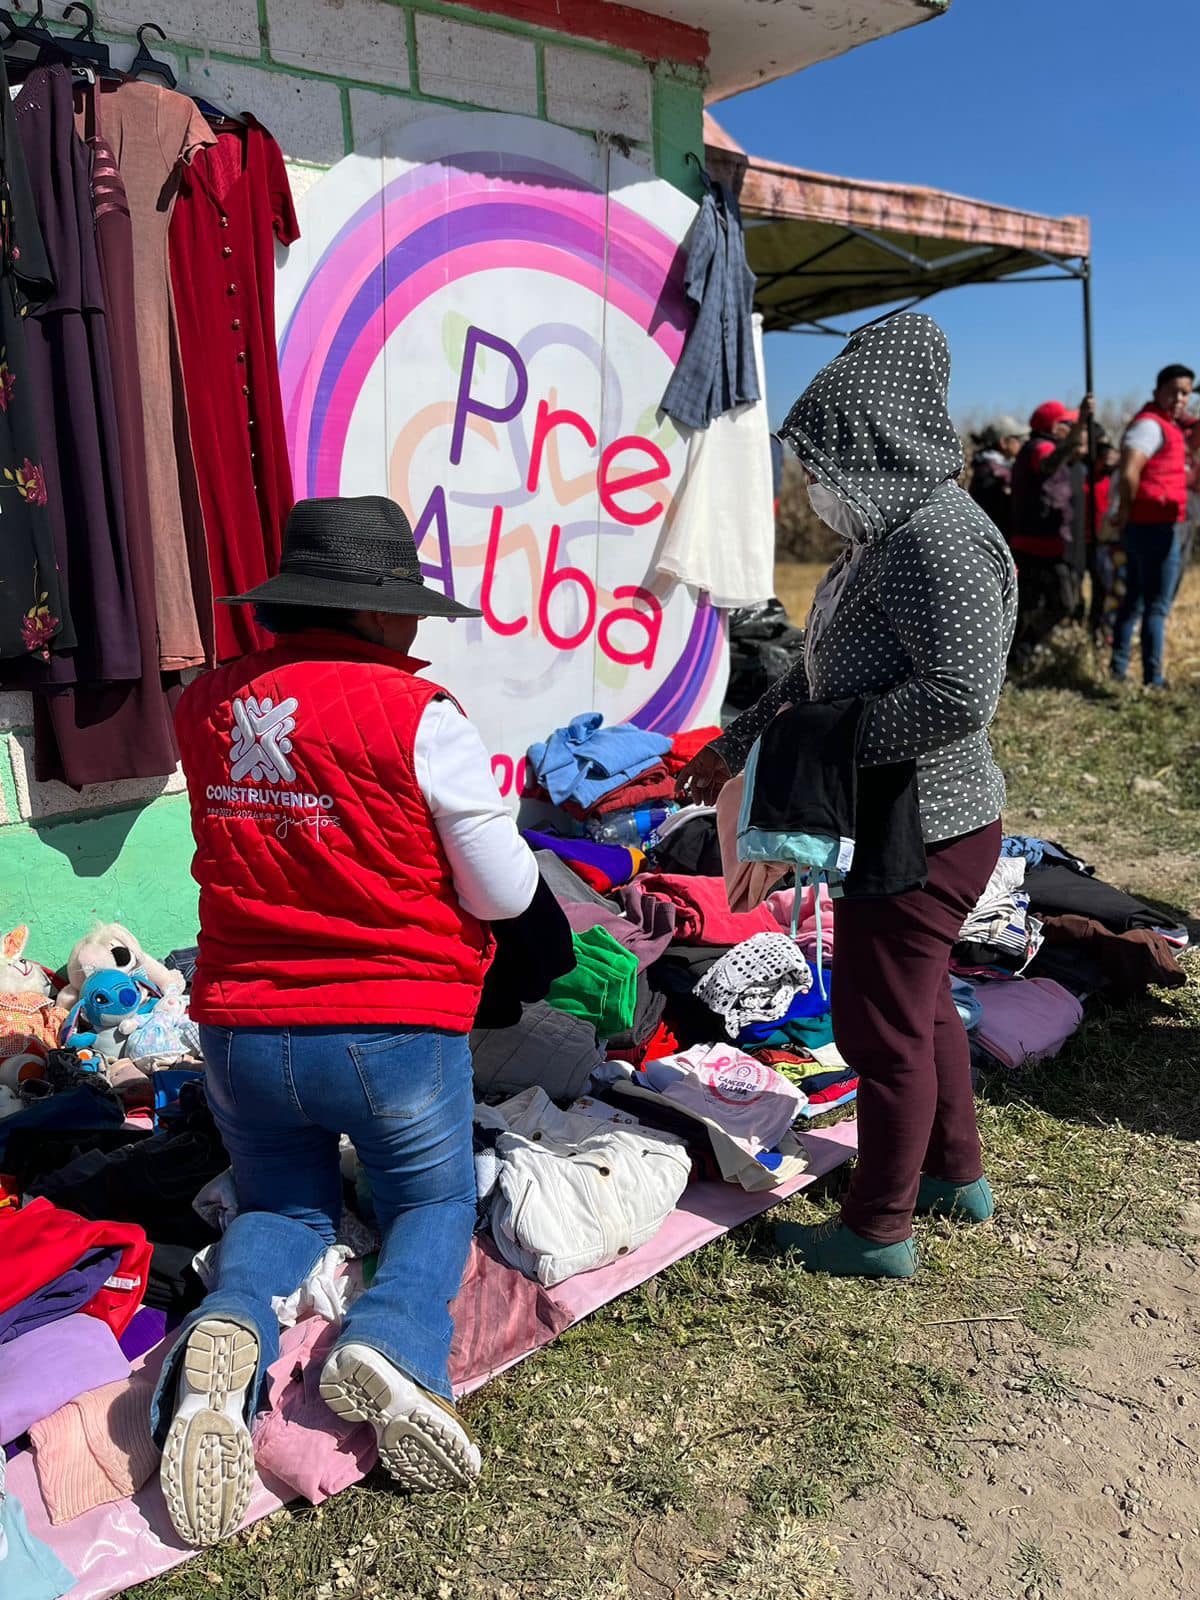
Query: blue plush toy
{"type": "Point", "coordinates": [109, 1008]}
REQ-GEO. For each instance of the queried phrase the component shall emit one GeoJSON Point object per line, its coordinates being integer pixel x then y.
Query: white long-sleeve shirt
{"type": "Point", "coordinates": [493, 869]}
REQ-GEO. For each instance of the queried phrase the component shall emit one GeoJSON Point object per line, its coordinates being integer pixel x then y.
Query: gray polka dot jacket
{"type": "Point", "coordinates": [924, 623]}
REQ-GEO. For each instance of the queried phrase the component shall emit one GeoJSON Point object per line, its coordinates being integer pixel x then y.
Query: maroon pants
{"type": "Point", "coordinates": [895, 1023]}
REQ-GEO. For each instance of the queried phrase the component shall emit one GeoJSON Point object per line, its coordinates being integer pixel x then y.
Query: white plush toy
{"type": "Point", "coordinates": [110, 946]}
{"type": "Point", "coordinates": [19, 975]}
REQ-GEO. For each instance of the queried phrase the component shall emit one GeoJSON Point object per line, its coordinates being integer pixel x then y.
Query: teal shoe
{"type": "Point", "coordinates": [834, 1248]}
{"type": "Point", "coordinates": [964, 1202]}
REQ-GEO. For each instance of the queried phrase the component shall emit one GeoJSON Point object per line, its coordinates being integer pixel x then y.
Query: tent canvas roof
{"type": "Point", "coordinates": [823, 246]}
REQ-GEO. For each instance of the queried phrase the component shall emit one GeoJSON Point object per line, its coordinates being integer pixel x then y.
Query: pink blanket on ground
{"type": "Point", "coordinates": [117, 1546]}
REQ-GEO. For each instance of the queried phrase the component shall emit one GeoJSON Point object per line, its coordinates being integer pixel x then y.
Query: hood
{"type": "Point", "coordinates": [873, 425]}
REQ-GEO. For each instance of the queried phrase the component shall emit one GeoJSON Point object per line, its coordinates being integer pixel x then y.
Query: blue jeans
{"type": "Point", "coordinates": [1152, 572]}
{"type": "Point", "coordinates": [281, 1097]}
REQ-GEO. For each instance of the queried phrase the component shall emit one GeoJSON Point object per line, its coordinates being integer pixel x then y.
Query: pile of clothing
{"type": "Point", "coordinates": [636, 1035]}
{"type": "Point", "coordinates": [647, 1005]}
{"type": "Point", "coordinates": [616, 784]}
{"type": "Point", "coordinates": [1047, 936]}
{"type": "Point", "coordinates": [105, 1142]}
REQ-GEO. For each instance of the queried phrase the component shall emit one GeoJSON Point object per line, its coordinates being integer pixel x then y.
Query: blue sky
{"type": "Point", "coordinates": [1062, 106]}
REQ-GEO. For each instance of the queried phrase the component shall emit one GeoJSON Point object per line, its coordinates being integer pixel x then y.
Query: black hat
{"type": "Point", "coordinates": [351, 554]}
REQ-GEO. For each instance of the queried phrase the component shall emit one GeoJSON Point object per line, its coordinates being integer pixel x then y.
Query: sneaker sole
{"type": "Point", "coordinates": [207, 1472]}
{"type": "Point", "coordinates": [421, 1453]}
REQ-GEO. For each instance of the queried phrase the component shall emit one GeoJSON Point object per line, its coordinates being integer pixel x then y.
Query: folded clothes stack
{"type": "Point", "coordinates": [756, 982]}
{"type": "Point", "coordinates": [825, 1080]}
{"type": "Point", "coordinates": [746, 1106]}
{"type": "Point", "coordinates": [585, 761]}
{"type": "Point", "coordinates": [1000, 932]}
{"type": "Point", "coordinates": [615, 785]}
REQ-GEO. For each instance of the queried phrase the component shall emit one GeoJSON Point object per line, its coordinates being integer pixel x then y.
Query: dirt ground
{"type": "Point", "coordinates": [1086, 1479]}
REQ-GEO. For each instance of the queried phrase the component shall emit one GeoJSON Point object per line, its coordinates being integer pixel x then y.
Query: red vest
{"type": "Point", "coordinates": [1162, 492]}
{"type": "Point", "coordinates": [325, 895]}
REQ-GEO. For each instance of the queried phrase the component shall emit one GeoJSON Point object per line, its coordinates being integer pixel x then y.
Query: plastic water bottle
{"type": "Point", "coordinates": [637, 828]}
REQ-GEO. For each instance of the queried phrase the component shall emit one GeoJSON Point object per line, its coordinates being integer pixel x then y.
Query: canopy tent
{"type": "Point", "coordinates": [824, 246]}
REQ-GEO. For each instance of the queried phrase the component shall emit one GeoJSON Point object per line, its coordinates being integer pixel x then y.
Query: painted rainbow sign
{"type": "Point", "coordinates": [479, 320]}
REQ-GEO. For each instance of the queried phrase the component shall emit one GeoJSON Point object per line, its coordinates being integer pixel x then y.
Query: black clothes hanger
{"type": "Point", "coordinates": [694, 160]}
{"type": "Point", "coordinates": [83, 46]}
{"type": "Point", "coordinates": [144, 62]}
{"type": "Point", "coordinates": [34, 32]}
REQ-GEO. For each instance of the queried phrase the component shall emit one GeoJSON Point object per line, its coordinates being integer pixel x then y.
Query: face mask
{"type": "Point", "coordinates": [835, 513]}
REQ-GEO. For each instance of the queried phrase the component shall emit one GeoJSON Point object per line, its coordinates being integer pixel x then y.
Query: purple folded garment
{"type": "Point", "coordinates": [148, 1328]}
{"type": "Point", "coordinates": [612, 862]}
{"type": "Point", "coordinates": [62, 1296]}
{"type": "Point", "coordinates": [43, 1370]}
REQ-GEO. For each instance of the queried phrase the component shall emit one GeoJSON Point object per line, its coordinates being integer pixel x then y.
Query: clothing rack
{"type": "Point", "coordinates": [164, 493]}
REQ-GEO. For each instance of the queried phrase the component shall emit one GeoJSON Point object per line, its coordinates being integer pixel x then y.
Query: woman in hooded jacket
{"type": "Point", "coordinates": [916, 617]}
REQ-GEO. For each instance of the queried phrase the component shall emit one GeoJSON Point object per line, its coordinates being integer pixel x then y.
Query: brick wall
{"type": "Point", "coordinates": [325, 76]}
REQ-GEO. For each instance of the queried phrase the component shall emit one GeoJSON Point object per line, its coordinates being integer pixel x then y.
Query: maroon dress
{"type": "Point", "coordinates": [234, 203]}
{"type": "Point", "coordinates": [71, 375]}
{"type": "Point", "coordinates": [97, 733]}
{"type": "Point", "coordinates": [33, 612]}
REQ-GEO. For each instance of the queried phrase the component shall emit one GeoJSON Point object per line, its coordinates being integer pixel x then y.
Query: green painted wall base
{"type": "Point", "coordinates": [130, 866]}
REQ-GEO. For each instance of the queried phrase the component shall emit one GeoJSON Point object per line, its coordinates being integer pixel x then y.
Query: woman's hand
{"type": "Point", "coordinates": [702, 780]}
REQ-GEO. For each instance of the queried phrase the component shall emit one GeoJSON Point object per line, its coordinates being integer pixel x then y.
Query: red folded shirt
{"type": "Point", "coordinates": [662, 1042]}
{"type": "Point", "coordinates": [686, 745]}
{"type": "Point", "coordinates": [653, 787]}
{"type": "Point", "coordinates": [39, 1243]}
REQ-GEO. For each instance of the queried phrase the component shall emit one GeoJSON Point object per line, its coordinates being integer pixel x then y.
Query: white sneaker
{"type": "Point", "coordinates": [207, 1471]}
{"type": "Point", "coordinates": [422, 1443]}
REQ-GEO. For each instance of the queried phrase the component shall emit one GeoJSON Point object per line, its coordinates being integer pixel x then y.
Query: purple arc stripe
{"type": "Point", "coordinates": [489, 164]}
{"type": "Point", "coordinates": [474, 226]}
{"type": "Point", "coordinates": [664, 703]}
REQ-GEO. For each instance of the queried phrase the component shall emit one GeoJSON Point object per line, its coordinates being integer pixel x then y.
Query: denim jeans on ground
{"type": "Point", "coordinates": [1152, 557]}
{"type": "Point", "coordinates": [281, 1097]}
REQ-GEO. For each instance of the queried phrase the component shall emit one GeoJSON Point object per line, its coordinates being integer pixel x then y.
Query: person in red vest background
{"type": "Point", "coordinates": [1044, 519]}
{"type": "Point", "coordinates": [1150, 518]}
{"type": "Point", "coordinates": [351, 850]}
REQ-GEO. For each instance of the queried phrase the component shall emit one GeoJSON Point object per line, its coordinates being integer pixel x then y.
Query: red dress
{"type": "Point", "coordinates": [234, 202]}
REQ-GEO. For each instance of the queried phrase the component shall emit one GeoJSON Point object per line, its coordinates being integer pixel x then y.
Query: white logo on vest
{"type": "Point", "coordinates": [261, 743]}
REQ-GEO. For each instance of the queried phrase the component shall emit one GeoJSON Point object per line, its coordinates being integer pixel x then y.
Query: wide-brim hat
{"type": "Point", "coordinates": [351, 554]}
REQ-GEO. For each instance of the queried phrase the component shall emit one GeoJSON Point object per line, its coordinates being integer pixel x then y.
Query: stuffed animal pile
{"type": "Point", "coordinates": [118, 1004]}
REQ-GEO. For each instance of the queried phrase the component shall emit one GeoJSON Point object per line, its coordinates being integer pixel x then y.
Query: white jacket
{"type": "Point", "coordinates": [574, 1193]}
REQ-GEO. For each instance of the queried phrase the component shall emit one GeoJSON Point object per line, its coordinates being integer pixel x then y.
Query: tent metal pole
{"type": "Point", "coordinates": [1089, 382]}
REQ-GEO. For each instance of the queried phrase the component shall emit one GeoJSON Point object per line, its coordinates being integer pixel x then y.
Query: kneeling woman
{"type": "Point", "coordinates": [351, 847]}
{"type": "Point", "coordinates": [917, 616]}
